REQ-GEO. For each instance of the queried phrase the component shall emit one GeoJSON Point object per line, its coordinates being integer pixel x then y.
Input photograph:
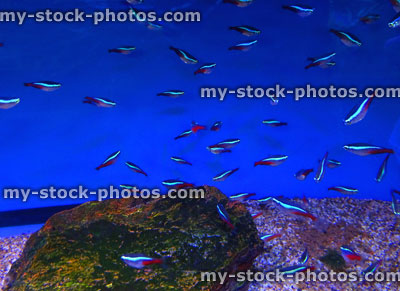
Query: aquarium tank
{"type": "Point", "coordinates": [200, 145]}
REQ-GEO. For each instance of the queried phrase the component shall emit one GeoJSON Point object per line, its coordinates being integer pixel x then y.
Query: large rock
{"type": "Point", "coordinates": [80, 249]}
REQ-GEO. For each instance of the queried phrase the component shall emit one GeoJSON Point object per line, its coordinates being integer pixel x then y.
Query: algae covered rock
{"type": "Point", "coordinates": [81, 248]}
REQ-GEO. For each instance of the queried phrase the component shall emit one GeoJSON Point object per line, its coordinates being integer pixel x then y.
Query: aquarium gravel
{"type": "Point", "coordinates": [369, 226]}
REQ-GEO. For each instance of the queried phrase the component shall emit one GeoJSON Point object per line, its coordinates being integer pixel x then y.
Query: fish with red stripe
{"type": "Point", "coordinates": [349, 254]}
{"type": "Point", "coordinates": [224, 216]}
{"type": "Point", "coordinates": [47, 86]}
{"type": "Point", "coordinates": [135, 168]}
{"type": "Point", "coordinates": [293, 209]}
{"type": "Point", "coordinates": [139, 261]}
{"type": "Point", "coordinates": [110, 160]}
{"type": "Point", "coordinates": [206, 69]}
{"type": "Point", "coordinates": [272, 161]}
{"type": "Point", "coordinates": [127, 50]}
{"type": "Point", "coordinates": [184, 56]}
{"type": "Point", "coordinates": [99, 102]}
{"type": "Point", "coordinates": [364, 149]}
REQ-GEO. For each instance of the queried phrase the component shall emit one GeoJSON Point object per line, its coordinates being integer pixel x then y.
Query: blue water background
{"type": "Point", "coordinates": [51, 138]}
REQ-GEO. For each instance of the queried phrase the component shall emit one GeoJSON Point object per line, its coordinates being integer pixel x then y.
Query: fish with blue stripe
{"type": "Point", "coordinates": [9, 103]}
{"type": "Point", "coordinates": [358, 113]}
{"type": "Point", "coordinates": [172, 93]}
{"type": "Point", "coordinates": [382, 169]}
{"type": "Point", "coordinates": [241, 196]}
{"type": "Point", "coordinates": [216, 126]}
{"type": "Point", "coordinates": [269, 237]}
{"type": "Point", "coordinates": [332, 164]}
{"type": "Point", "coordinates": [274, 123]}
{"type": "Point", "coordinates": [181, 161]}
{"type": "Point", "coordinates": [127, 187]}
{"type": "Point", "coordinates": [135, 168]}
{"type": "Point", "coordinates": [322, 62]}
{"type": "Point", "coordinates": [224, 215]}
{"type": "Point", "coordinates": [293, 209]}
{"type": "Point", "coordinates": [206, 69]}
{"type": "Point", "coordinates": [246, 30]}
{"type": "Point", "coordinates": [265, 200]}
{"type": "Point", "coordinates": [177, 184]}
{"type": "Point", "coordinates": [395, 201]}
{"type": "Point", "coordinates": [47, 86]}
{"type": "Point", "coordinates": [110, 160]}
{"type": "Point", "coordinates": [373, 267]}
{"type": "Point", "coordinates": [364, 149]}
{"type": "Point", "coordinates": [301, 10]}
{"type": "Point", "coordinates": [216, 150]}
{"type": "Point", "coordinates": [227, 144]}
{"type": "Point", "coordinates": [154, 26]}
{"type": "Point", "coordinates": [272, 161]}
{"type": "Point", "coordinates": [290, 271]}
{"type": "Point", "coordinates": [347, 38]}
{"type": "Point", "coordinates": [186, 133]}
{"type": "Point", "coordinates": [243, 46]}
{"type": "Point", "coordinates": [256, 215]}
{"type": "Point", "coordinates": [304, 257]}
{"type": "Point", "coordinates": [126, 50]}
{"type": "Point", "coordinates": [224, 175]}
{"type": "Point", "coordinates": [349, 254]}
{"type": "Point", "coordinates": [184, 56]}
{"type": "Point", "coordinates": [139, 261]}
{"type": "Point", "coordinates": [99, 102]}
{"type": "Point", "coordinates": [344, 190]}
{"type": "Point", "coordinates": [321, 169]}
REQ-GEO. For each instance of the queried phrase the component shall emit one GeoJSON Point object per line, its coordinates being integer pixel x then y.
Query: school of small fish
{"type": "Point", "coordinates": [355, 115]}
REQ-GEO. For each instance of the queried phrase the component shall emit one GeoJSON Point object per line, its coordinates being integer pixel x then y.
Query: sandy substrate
{"type": "Point", "coordinates": [367, 226]}
{"type": "Point", "coordinates": [10, 249]}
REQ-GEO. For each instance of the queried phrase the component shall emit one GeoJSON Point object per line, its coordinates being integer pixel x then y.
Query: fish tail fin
{"type": "Point", "coordinates": [99, 167]}
{"type": "Point", "coordinates": [27, 84]}
{"type": "Point", "coordinates": [257, 164]}
{"type": "Point", "coordinates": [172, 48]}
